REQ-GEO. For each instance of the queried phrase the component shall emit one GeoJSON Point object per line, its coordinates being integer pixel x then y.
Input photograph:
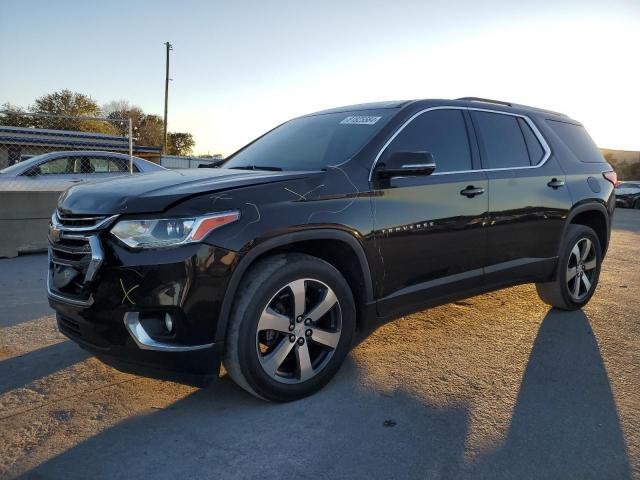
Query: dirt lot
{"type": "Point", "coordinates": [497, 386]}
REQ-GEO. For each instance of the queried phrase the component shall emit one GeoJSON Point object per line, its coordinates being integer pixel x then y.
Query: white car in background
{"type": "Point", "coordinates": [60, 170]}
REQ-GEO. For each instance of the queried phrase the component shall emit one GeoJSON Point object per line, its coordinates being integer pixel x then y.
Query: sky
{"type": "Point", "coordinates": [241, 67]}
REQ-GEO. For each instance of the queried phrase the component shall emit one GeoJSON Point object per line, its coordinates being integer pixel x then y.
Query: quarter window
{"type": "Point", "coordinates": [502, 139]}
{"type": "Point", "coordinates": [442, 133]}
{"type": "Point", "coordinates": [578, 140]}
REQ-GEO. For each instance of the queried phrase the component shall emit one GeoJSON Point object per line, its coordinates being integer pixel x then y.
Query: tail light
{"type": "Point", "coordinates": [612, 177]}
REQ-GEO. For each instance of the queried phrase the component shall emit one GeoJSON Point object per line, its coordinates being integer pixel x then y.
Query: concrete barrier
{"type": "Point", "coordinates": [24, 221]}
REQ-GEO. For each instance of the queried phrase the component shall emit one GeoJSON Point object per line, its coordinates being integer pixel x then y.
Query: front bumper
{"type": "Point", "coordinates": [121, 313]}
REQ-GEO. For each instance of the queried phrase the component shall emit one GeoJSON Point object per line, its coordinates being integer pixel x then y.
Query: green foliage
{"type": "Point", "coordinates": [66, 102]}
{"type": "Point", "coordinates": [14, 116]}
{"type": "Point", "coordinates": [148, 129]}
{"type": "Point", "coordinates": [179, 143]}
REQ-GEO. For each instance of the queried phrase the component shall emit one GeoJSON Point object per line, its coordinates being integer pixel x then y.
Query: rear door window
{"type": "Point", "coordinates": [100, 164]}
{"type": "Point", "coordinates": [502, 140]}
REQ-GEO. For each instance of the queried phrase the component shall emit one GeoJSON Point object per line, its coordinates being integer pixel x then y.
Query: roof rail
{"type": "Point", "coordinates": [509, 104]}
{"type": "Point", "coordinates": [544, 110]}
{"type": "Point", "coordinates": [484, 100]}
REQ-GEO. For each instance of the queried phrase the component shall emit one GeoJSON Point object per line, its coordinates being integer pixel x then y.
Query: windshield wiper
{"type": "Point", "coordinates": [257, 167]}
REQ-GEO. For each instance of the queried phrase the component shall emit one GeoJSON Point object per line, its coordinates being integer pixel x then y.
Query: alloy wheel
{"type": "Point", "coordinates": [298, 331]}
{"type": "Point", "coordinates": [581, 269]}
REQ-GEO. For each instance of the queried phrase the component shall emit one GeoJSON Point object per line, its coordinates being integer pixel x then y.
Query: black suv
{"type": "Point", "coordinates": [324, 228]}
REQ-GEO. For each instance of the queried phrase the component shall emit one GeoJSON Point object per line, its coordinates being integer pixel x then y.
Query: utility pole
{"type": "Point", "coordinates": [166, 98]}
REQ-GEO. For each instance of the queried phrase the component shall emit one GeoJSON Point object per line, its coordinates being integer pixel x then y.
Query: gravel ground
{"type": "Point", "coordinates": [497, 386]}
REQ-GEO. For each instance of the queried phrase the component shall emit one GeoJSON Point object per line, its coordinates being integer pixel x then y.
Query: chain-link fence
{"type": "Point", "coordinates": [53, 152]}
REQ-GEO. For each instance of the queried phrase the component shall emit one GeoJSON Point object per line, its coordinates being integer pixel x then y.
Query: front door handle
{"type": "Point", "coordinates": [471, 191]}
{"type": "Point", "coordinates": [555, 183]}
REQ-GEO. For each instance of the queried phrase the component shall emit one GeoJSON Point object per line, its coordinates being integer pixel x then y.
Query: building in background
{"type": "Point", "coordinates": [20, 143]}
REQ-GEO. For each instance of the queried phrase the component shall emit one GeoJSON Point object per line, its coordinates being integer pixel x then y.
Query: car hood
{"type": "Point", "coordinates": [154, 192]}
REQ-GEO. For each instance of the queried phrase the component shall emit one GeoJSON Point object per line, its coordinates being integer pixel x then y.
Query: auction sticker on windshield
{"type": "Point", "coordinates": [360, 120]}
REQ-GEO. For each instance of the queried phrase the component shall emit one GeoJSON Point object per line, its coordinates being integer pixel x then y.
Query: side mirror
{"type": "Point", "coordinates": [407, 164]}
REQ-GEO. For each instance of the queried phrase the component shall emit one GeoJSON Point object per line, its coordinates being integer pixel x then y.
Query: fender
{"type": "Point", "coordinates": [588, 205]}
{"type": "Point", "coordinates": [279, 241]}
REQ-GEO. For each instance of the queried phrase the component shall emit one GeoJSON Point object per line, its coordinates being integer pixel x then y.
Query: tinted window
{"type": "Point", "coordinates": [536, 151]}
{"type": "Point", "coordinates": [56, 166]}
{"type": "Point", "coordinates": [441, 132]}
{"type": "Point", "coordinates": [313, 142]}
{"type": "Point", "coordinates": [119, 165]}
{"type": "Point", "coordinates": [502, 139]}
{"type": "Point", "coordinates": [578, 140]}
{"type": "Point", "coordinates": [100, 164]}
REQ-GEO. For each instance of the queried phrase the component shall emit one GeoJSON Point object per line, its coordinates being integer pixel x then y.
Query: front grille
{"type": "Point", "coordinates": [74, 256]}
{"type": "Point", "coordinates": [75, 253]}
{"type": "Point", "coordinates": [88, 222]}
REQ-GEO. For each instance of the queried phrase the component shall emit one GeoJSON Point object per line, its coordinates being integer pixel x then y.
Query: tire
{"type": "Point", "coordinates": [561, 292]}
{"type": "Point", "coordinates": [268, 297]}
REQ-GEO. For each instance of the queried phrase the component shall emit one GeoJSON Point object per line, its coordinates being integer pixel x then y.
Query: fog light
{"type": "Point", "coordinates": [168, 323]}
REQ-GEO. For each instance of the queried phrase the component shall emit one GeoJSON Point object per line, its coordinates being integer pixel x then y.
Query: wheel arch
{"type": "Point", "coordinates": [594, 215]}
{"type": "Point", "coordinates": [357, 273]}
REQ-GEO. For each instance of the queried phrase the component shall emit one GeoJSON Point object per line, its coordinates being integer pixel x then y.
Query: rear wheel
{"type": "Point", "coordinates": [290, 328]}
{"type": "Point", "coordinates": [578, 271]}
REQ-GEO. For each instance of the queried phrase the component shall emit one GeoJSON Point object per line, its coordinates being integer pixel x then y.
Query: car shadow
{"type": "Point", "coordinates": [564, 425]}
{"type": "Point", "coordinates": [20, 371]}
{"type": "Point", "coordinates": [344, 431]}
{"type": "Point", "coordinates": [565, 422]}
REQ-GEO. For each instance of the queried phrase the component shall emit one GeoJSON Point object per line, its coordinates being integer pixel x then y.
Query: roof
{"type": "Point", "coordinates": [69, 139]}
{"type": "Point", "coordinates": [364, 106]}
{"type": "Point", "coordinates": [464, 101]}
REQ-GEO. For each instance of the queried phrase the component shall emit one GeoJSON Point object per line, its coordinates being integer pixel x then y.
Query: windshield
{"type": "Point", "coordinates": [313, 142]}
{"type": "Point", "coordinates": [17, 167]}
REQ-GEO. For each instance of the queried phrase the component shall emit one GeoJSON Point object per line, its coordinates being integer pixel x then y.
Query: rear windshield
{"type": "Point", "coordinates": [578, 140]}
{"type": "Point", "coordinates": [313, 142]}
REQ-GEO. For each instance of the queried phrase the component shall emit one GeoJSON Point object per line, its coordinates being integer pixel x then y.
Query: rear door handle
{"type": "Point", "coordinates": [555, 183]}
{"type": "Point", "coordinates": [471, 191]}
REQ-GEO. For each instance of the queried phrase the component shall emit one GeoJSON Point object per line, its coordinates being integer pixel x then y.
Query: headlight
{"type": "Point", "coordinates": [167, 232]}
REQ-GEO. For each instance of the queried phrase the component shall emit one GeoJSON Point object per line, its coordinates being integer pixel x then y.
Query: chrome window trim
{"type": "Point", "coordinates": [418, 165]}
{"type": "Point", "coordinates": [534, 128]}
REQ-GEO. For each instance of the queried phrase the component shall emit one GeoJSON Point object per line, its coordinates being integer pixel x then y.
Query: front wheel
{"type": "Point", "coordinates": [290, 327]}
{"type": "Point", "coordinates": [578, 271]}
